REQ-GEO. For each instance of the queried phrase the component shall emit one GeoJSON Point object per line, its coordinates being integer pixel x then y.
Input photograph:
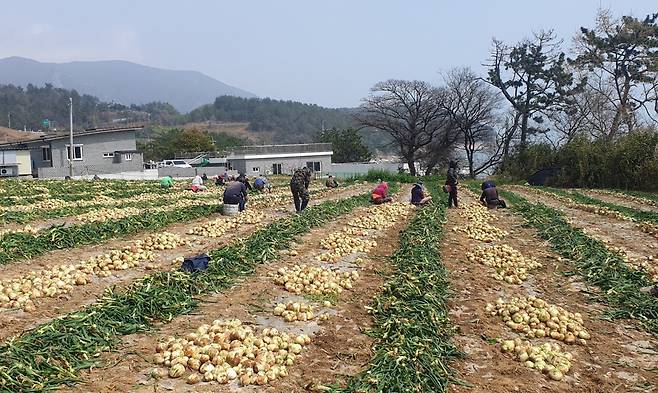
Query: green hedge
{"type": "Point", "coordinates": [629, 162]}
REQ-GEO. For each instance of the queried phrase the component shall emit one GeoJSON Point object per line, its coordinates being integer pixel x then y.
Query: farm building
{"type": "Point", "coordinates": [98, 151]}
{"type": "Point", "coordinates": [280, 159]}
{"type": "Point", "coordinates": [15, 162]}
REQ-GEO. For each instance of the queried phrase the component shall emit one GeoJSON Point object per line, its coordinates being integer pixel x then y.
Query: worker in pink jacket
{"type": "Point", "coordinates": [380, 194]}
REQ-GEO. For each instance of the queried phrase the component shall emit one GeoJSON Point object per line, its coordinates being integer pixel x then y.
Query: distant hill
{"type": "Point", "coordinates": [120, 81]}
{"type": "Point", "coordinates": [285, 121]}
{"type": "Point", "coordinates": [9, 135]}
{"type": "Point", "coordinates": [264, 121]}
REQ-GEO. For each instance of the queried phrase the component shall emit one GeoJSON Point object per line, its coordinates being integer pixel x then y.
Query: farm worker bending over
{"type": "Point", "coordinates": [489, 196]}
{"type": "Point", "coordinates": [236, 194]}
{"type": "Point", "coordinates": [379, 194]}
{"type": "Point", "coordinates": [243, 179]}
{"type": "Point", "coordinates": [166, 182]}
{"type": "Point", "coordinates": [261, 184]}
{"type": "Point", "coordinates": [451, 182]}
{"type": "Point", "coordinates": [299, 188]}
{"type": "Point", "coordinates": [418, 195]}
{"type": "Point", "coordinates": [197, 184]}
{"type": "Point", "coordinates": [331, 182]}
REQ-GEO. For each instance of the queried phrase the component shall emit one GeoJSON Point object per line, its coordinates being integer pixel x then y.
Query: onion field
{"type": "Point", "coordinates": [549, 295]}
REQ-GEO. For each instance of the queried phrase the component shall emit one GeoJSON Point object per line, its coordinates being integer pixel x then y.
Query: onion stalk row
{"type": "Point", "coordinates": [58, 350]}
{"type": "Point", "coordinates": [620, 285]}
{"type": "Point", "coordinates": [412, 331]}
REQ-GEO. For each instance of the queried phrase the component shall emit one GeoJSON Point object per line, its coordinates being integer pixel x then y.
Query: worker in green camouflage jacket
{"type": "Point", "coordinates": [299, 188]}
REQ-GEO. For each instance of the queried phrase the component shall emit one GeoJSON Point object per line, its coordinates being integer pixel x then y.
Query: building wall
{"type": "Point", "coordinates": [24, 162]}
{"type": "Point", "coordinates": [7, 157]}
{"type": "Point", "coordinates": [93, 147]}
{"type": "Point", "coordinates": [356, 168]}
{"type": "Point", "coordinates": [93, 162]}
{"type": "Point", "coordinates": [36, 156]}
{"type": "Point", "coordinates": [89, 170]}
{"type": "Point", "coordinates": [288, 164]}
{"type": "Point", "coordinates": [178, 172]}
{"type": "Point", "coordinates": [21, 158]}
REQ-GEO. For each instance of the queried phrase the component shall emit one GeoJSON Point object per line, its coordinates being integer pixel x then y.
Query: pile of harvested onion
{"type": "Point", "coordinates": [536, 318]}
{"type": "Point", "coordinates": [108, 214]}
{"type": "Point", "coordinates": [511, 266]}
{"type": "Point", "coordinates": [20, 292]}
{"type": "Point", "coordinates": [475, 212]}
{"type": "Point", "coordinates": [220, 226]}
{"type": "Point", "coordinates": [546, 358]}
{"type": "Point", "coordinates": [314, 280]}
{"type": "Point", "coordinates": [381, 216]}
{"type": "Point", "coordinates": [229, 350]}
{"type": "Point", "coordinates": [26, 229]}
{"type": "Point", "coordinates": [649, 228]}
{"type": "Point", "coordinates": [297, 311]}
{"type": "Point", "coordinates": [341, 244]}
{"type": "Point", "coordinates": [482, 232]}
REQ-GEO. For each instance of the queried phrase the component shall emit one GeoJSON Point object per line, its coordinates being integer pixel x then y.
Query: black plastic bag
{"type": "Point", "coordinates": [195, 264]}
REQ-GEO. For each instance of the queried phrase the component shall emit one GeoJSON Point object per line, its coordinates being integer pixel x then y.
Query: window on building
{"type": "Point", "coordinates": [314, 165]}
{"type": "Point", "coordinates": [255, 169]}
{"type": "Point", "coordinates": [128, 157]}
{"type": "Point", "coordinates": [46, 153]}
{"type": "Point", "coordinates": [276, 169]}
{"type": "Point", "coordinates": [108, 155]}
{"type": "Point", "coordinates": [77, 152]}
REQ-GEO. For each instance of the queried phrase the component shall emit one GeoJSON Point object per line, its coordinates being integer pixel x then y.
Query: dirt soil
{"type": "Point", "coordinates": [337, 349]}
{"type": "Point", "coordinates": [618, 358]}
{"type": "Point", "coordinates": [619, 200]}
{"type": "Point", "coordinates": [13, 322]}
{"type": "Point", "coordinates": [624, 234]}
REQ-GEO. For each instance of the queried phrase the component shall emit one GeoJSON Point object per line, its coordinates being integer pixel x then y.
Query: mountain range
{"type": "Point", "coordinates": [120, 81]}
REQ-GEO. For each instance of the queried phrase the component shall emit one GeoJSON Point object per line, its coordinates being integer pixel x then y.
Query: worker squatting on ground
{"type": "Point", "coordinates": [244, 179]}
{"type": "Point", "coordinates": [489, 197]}
{"type": "Point", "coordinates": [331, 182]}
{"type": "Point", "coordinates": [261, 184]}
{"type": "Point", "coordinates": [380, 194]}
{"type": "Point", "coordinates": [166, 182]}
{"type": "Point", "coordinates": [197, 184]}
{"type": "Point", "coordinates": [299, 188]}
{"type": "Point", "coordinates": [419, 195]}
{"type": "Point", "coordinates": [236, 194]}
{"type": "Point", "coordinates": [451, 184]}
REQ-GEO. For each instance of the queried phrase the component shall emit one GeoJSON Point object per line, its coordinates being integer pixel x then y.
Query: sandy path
{"type": "Point", "coordinates": [14, 322]}
{"type": "Point", "coordinates": [338, 347]}
{"type": "Point", "coordinates": [616, 359]}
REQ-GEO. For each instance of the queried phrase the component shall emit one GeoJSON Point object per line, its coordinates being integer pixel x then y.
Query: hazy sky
{"type": "Point", "coordinates": [328, 52]}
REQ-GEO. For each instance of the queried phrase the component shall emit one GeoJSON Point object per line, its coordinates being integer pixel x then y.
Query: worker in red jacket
{"type": "Point", "coordinates": [380, 194]}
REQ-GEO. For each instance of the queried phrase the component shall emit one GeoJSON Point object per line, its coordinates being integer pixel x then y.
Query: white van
{"type": "Point", "coordinates": [175, 164]}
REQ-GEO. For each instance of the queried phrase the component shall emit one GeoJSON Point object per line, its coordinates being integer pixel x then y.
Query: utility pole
{"type": "Point", "coordinates": [9, 120]}
{"type": "Point", "coordinates": [71, 150]}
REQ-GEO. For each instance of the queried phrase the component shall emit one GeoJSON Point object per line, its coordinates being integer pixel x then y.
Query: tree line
{"type": "Point", "coordinates": [288, 121]}
{"type": "Point", "coordinates": [28, 107]}
{"type": "Point", "coordinates": [534, 93]}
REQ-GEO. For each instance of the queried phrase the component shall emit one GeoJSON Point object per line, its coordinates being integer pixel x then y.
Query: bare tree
{"type": "Point", "coordinates": [407, 110]}
{"type": "Point", "coordinates": [472, 105]}
{"type": "Point", "coordinates": [440, 149]}
{"type": "Point", "coordinates": [591, 113]}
